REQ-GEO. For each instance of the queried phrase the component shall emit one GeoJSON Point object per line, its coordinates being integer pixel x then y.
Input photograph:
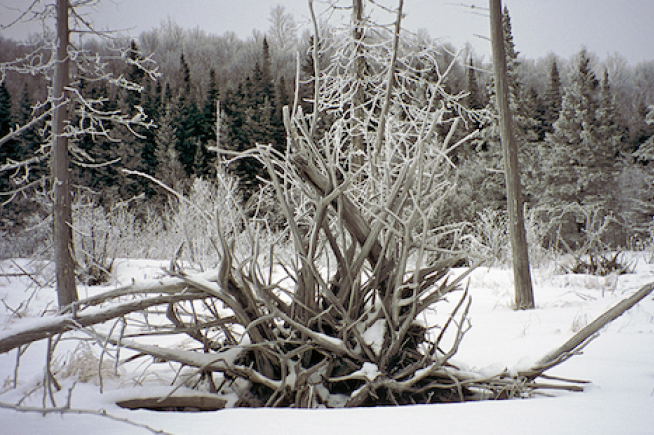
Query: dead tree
{"type": "Point", "coordinates": [63, 209]}
{"type": "Point", "coordinates": [524, 294]}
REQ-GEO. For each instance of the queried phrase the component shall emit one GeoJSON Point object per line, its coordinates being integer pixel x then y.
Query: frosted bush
{"type": "Point", "coordinates": [490, 237]}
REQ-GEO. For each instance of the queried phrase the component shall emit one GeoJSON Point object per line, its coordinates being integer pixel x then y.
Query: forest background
{"type": "Point", "coordinates": [581, 124]}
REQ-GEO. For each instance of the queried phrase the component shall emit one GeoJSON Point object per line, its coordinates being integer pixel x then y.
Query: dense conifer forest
{"type": "Point", "coordinates": [581, 126]}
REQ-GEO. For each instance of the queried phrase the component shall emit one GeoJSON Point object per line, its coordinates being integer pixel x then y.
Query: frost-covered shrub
{"type": "Point", "coordinates": [185, 230]}
{"type": "Point", "coordinates": [490, 239]}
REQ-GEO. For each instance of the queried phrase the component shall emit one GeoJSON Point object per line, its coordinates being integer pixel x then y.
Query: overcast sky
{"type": "Point", "coordinates": [539, 26]}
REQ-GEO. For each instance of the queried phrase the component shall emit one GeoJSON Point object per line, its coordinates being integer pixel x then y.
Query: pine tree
{"type": "Point", "coordinates": [15, 214]}
{"type": "Point", "coordinates": [266, 68]}
{"type": "Point", "coordinates": [642, 134]}
{"type": "Point", "coordinates": [253, 115]}
{"type": "Point", "coordinates": [31, 141]}
{"type": "Point", "coordinates": [185, 72]}
{"type": "Point", "coordinates": [307, 78]}
{"type": "Point", "coordinates": [238, 128]}
{"type": "Point", "coordinates": [611, 125]}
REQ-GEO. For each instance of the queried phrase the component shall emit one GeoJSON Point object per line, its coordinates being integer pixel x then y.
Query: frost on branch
{"type": "Point", "coordinates": [338, 321]}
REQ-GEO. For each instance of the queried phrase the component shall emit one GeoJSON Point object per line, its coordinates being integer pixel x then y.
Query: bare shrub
{"type": "Point", "coordinates": [586, 233]}
{"type": "Point", "coordinates": [488, 238]}
{"type": "Point", "coordinates": [338, 320]}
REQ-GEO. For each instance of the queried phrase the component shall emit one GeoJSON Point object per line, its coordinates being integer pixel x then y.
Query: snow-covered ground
{"type": "Point", "coordinates": [620, 364]}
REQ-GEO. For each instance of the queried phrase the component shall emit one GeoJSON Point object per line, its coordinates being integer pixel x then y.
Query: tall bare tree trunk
{"type": "Point", "coordinates": [359, 71]}
{"type": "Point", "coordinates": [63, 232]}
{"type": "Point", "coordinates": [524, 294]}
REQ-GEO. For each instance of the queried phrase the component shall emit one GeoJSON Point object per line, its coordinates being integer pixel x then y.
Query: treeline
{"type": "Point", "coordinates": [582, 131]}
{"type": "Point", "coordinates": [579, 121]}
{"type": "Point", "coordinates": [196, 72]}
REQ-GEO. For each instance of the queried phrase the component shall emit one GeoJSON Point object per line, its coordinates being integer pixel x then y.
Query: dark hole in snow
{"type": "Point", "coordinates": [175, 404]}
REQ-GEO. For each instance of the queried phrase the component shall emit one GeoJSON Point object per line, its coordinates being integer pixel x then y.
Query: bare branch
{"type": "Point", "coordinates": [50, 326]}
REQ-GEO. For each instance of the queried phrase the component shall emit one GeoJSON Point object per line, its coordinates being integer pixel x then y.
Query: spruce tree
{"type": "Point", "coordinates": [188, 121]}
{"type": "Point", "coordinates": [253, 115]}
{"type": "Point", "coordinates": [169, 169]}
{"type": "Point", "coordinates": [238, 128]}
{"type": "Point", "coordinates": [641, 139]}
{"type": "Point", "coordinates": [135, 75]}
{"type": "Point", "coordinates": [148, 162]}
{"type": "Point", "coordinates": [5, 110]}
{"type": "Point", "coordinates": [582, 152]}
{"type": "Point", "coordinates": [611, 125]}
{"type": "Point", "coordinates": [8, 151]}
{"type": "Point", "coordinates": [204, 165]}
{"type": "Point", "coordinates": [552, 99]}
{"type": "Point", "coordinates": [567, 151]}
{"type": "Point", "coordinates": [15, 214]}
{"type": "Point", "coordinates": [512, 62]}
{"type": "Point", "coordinates": [473, 100]}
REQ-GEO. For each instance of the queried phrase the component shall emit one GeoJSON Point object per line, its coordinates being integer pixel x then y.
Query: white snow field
{"type": "Point", "coordinates": [620, 364]}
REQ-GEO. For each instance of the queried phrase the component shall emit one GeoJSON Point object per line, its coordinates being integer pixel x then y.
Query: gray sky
{"type": "Point", "coordinates": [539, 26]}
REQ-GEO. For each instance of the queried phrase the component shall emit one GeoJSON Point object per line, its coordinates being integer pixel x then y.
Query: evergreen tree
{"type": "Point", "coordinates": [473, 101]}
{"type": "Point", "coordinates": [266, 67]}
{"type": "Point", "coordinates": [582, 151]}
{"type": "Point", "coordinates": [185, 73]}
{"type": "Point", "coordinates": [14, 214]}
{"type": "Point", "coordinates": [552, 99]}
{"type": "Point", "coordinates": [307, 78]}
{"type": "Point", "coordinates": [135, 75]}
{"type": "Point", "coordinates": [204, 162]}
{"type": "Point", "coordinates": [642, 134]}
{"type": "Point", "coordinates": [253, 115]}
{"type": "Point", "coordinates": [151, 101]}
{"type": "Point", "coordinates": [8, 151]}
{"type": "Point", "coordinates": [130, 148]}
{"type": "Point", "coordinates": [512, 62]}
{"type": "Point", "coordinates": [567, 151]}
{"type": "Point", "coordinates": [30, 142]}
{"type": "Point", "coordinates": [611, 125]}
{"type": "Point", "coordinates": [169, 169]}
{"type": "Point", "coordinates": [5, 110]}
{"type": "Point", "coordinates": [238, 123]}
{"type": "Point", "coordinates": [188, 122]}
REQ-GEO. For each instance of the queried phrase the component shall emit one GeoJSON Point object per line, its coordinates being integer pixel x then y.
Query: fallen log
{"type": "Point", "coordinates": [585, 335]}
{"type": "Point", "coordinates": [49, 326]}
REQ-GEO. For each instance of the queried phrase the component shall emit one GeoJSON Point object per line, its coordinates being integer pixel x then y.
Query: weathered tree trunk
{"type": "Point", "coordinates": [63, 232]}
{"type": "Point", "coordinates": [524, 295]}
{"type": "Point", "coordinates": [359, 71]}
